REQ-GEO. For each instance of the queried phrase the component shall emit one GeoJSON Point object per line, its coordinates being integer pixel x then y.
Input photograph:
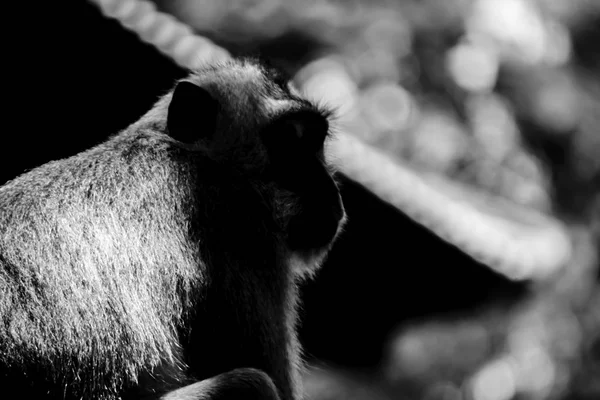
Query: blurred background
{"type": "Point", "coordinates": [497, 99]}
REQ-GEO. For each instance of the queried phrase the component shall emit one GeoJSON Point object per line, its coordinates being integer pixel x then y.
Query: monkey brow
{"type": "Point", "coordinates": [300, 106]}
{"type": "Point", "coordinates": [306, 112]}
{"type": "Point", "coordinates": [291, 104]}
{"type": "Point", "coordinates": [276, 75]}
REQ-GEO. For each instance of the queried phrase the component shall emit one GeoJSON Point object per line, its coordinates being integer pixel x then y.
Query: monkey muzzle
{"type": "Point", "coordinates": [315, 228]}
{"type": "Point", "coordinates": [320, 217]}
{"type": "Point", "coordinates": [318, 209]}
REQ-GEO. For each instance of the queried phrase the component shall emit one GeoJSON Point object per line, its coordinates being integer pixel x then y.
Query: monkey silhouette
{"type": "Point", "coordinates": [165, 261]}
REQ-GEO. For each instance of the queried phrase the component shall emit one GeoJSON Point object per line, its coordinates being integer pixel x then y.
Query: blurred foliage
{"type": "Point", "coordinates": [503, 95]}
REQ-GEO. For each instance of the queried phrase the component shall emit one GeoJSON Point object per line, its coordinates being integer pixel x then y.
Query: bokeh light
{"type": "Point", "coordinates": [326, 81]}
{"type": "Point", "coordinates": [473, 67]}
{"type": "Point", "coordinates": [495, 381]}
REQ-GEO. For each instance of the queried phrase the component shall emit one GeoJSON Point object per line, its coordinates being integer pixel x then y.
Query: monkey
{"type": "Point", "coordinates": [165, 261]}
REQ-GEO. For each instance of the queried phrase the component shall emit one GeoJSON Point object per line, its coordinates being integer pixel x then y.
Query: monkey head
{"type": "Point", "coordinates": [248, 118]}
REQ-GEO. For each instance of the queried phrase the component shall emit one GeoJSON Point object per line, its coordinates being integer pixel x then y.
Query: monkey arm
{"type": "Point", "coordinates": [242, 383]}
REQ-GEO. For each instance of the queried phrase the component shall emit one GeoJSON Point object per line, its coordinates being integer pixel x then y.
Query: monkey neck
{"type": "Point", "coordinates": [247, 313]}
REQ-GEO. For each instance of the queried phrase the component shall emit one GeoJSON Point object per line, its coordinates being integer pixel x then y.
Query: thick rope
{"type": "Point", "coordinates": [519, 250]}
{"type": "Point", "coordinates": [170, 36]}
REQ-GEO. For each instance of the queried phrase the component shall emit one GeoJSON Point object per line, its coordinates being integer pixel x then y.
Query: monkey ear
{"type": "Point", "coordinates": [192, 113]}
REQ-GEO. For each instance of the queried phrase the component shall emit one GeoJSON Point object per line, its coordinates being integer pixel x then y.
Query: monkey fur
{"type": "Point", "coordinates": [164, 262]}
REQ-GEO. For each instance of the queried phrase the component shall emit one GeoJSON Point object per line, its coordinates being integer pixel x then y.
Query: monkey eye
{"type": "Point", "coordinates": [308, 131]}
{"type": "Point", "coordinates": [295, 134]}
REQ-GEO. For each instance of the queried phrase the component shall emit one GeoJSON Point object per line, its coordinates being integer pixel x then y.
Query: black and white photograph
{"type": "Point", "coordinates": [300, 200]}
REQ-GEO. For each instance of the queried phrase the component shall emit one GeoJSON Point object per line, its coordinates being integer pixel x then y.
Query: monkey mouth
{"type": "Point", "coordinates": [315, 228]}
{"type": "Point", "coordinates": [311, 238]}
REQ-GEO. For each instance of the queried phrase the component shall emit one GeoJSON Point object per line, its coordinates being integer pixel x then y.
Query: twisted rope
{"type": "Point", "coordinates": [533, 249]}
{"type": "Point", "coordinates": [518, 251]}
{"type": "Point", "coordinates": [167, 34]}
